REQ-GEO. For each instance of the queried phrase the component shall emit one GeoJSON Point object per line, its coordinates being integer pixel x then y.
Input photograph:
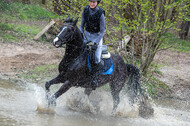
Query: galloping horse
{"type": "Point", "coordinates": [73, 69]}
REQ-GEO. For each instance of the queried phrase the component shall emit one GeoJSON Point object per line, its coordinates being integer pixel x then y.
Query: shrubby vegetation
{"type": "Point", "coordinates": [146, 21]}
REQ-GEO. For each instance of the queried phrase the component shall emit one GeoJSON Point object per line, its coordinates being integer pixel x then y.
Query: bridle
{"type": "Point", "coordinates": [69, 37]}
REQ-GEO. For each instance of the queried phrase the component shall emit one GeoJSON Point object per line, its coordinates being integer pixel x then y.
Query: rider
{"type": "Point", "coordinates": [93, 27]}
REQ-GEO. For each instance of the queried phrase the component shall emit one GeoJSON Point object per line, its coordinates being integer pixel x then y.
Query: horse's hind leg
{"type": "Point", "coordinates": [88, 91]}
{"type": "Point", "coordinates": [115, 90]}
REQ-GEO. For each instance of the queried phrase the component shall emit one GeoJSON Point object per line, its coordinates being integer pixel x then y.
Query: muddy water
{"type": "Point", "coordinates": [18, 103]}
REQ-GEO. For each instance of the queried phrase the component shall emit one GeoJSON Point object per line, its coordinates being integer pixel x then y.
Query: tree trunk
{"type": "Point", "coordinates": [8, 1]}
{"type": "Point", "coordinates": [26, 1]}
{"type": "Point", "coordinates": [57, 8]}
{"type": "Point", "coordinates": [184, 29]}
{"type": "Point", "coordinates": [44, 2]}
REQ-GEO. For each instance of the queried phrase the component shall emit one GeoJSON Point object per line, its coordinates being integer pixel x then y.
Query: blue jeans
{"type": "Point", "coordinates": [92, 37]}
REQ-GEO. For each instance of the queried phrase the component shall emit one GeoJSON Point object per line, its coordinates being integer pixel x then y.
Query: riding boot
{"type": "Point", "coordinates": [94, 73]}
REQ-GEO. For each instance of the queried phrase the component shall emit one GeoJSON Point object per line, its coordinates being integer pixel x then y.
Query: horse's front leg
{"type": "Point", "coordinates": [62, 89]}
{"type": "Point", "coordinates": [88, 91]}
{"type": "Point", "coordinates": [56, 80]}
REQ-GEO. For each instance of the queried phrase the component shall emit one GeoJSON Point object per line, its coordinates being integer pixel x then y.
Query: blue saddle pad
{"type": "Point", "coordinates": [108, 65]}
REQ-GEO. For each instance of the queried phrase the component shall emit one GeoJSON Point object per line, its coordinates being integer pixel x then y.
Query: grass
{"type": "Point", "coordinates": [40, 73]}
{"type": "Point", "coordinates": [20, 28]}
{"type": "Point", "coordinates": [16, 17]}
{"type": "Point", "coordinates": [17, 10]}
{"type": "Point", "coordinates": [8, 37]}
{"type": "Point", "coordinates": [176, 44]}
{"type": "Point", "coordinates": [12, 32]}
{"type": "Point", "coordinates": [155, 87]}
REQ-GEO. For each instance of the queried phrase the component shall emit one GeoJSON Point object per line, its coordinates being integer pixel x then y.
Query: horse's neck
{"type": "Point", "coordinates": [76, 46]}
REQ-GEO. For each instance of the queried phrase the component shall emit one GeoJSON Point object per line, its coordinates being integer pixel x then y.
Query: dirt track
{"type": "Point", "coordinates": [23, 56]}
{"type": "Point", "coordinates": [176, 72]}
{"type": "Point", "coordinates": [15, 57]}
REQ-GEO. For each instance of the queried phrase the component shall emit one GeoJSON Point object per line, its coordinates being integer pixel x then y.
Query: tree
{"type": "Point", "coordinates": [184, 29]}
{"type": "Point", "coordinates": [8, 1]}
{"type": "Point", "coordinates": [151, 19]}
{"type": "Point", "coordinates": [183, 33]}
{"type": "Point", "coordinates": [43, 1]}
{"type": "Point", "coordinates": [68, 7]}
{"type": "Point", "coordinates": [26, 1]}
{"type": "Point", "coordinates": [57, 6]}
{"type": "Point", "coordinates": [146, 21]}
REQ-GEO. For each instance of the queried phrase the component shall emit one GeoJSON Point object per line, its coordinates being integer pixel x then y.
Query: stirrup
{"type": "Point", "coordinates": [99, 66]}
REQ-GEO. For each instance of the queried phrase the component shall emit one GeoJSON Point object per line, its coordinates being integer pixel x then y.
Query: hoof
{"type": "Point", "coordinates": [146, 110]}
{"type": "Point", "coordinates": [52, 101]}
{"type": "Point", "coordinates": [88, 91]}
{"type": "Point", "coordinates": [45, 110]}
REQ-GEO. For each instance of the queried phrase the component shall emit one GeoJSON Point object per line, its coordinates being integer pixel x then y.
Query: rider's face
{"type": "Point", "coordinates": [93, 4]}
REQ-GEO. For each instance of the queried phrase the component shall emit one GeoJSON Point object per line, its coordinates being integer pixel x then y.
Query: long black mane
{"type": "Point", "coordinates": [76, 45]}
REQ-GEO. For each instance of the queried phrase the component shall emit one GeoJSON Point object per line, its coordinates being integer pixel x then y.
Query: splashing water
{"type": "Point", "coordinates": [100, 102]}
{"type": "Point", "coordinates": [19, 102]}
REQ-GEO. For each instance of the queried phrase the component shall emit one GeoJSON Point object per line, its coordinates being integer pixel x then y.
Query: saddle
{"type": "Point", "coordinates": [105, 53]}
{"type": "Point", "coordinates": [106, 59]}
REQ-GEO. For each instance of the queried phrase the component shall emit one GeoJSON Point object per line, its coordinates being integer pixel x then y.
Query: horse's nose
{"type": "Point", "coordinates": [55, 40]}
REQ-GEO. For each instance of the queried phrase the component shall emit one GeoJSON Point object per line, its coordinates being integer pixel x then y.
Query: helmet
{"type": "Point", "coordinates": [95, 0]}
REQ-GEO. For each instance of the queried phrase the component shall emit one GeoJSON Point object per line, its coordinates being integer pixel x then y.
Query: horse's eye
{"type": "Point", "coordinates": [70, 29]}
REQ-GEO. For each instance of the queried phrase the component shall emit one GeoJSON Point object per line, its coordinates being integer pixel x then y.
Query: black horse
{"type": "Point", "coordinates": [73, 70]}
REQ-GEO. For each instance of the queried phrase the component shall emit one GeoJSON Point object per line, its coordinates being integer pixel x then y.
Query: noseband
{"type": "Point", "coordinates": [69, 37]}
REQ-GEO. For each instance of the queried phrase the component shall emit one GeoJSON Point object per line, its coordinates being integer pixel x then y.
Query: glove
{"type": "Point", "coordinates": [94, 47]}
{"type": "Point", "coordinates": [95, 43]}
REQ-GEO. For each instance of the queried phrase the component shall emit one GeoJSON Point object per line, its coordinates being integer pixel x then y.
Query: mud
{"type": "Point", "coordinates": [175, 72]}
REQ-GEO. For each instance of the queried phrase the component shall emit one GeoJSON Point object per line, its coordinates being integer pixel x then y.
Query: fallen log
{"type": "Point", "coordinates": [44, 30]}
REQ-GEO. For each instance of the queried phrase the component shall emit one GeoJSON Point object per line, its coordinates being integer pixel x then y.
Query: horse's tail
{"type": "Point", "coordinates": [134, 86]}
{"type": "Point", "coordinates": [145, 108]}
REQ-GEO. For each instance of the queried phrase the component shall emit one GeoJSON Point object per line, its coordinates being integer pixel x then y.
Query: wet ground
{"type": "Point", "coordinates": [19, 103]}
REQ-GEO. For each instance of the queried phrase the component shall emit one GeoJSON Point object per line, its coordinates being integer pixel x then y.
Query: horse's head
{"type": "Point", "coordinates": [67, 33]}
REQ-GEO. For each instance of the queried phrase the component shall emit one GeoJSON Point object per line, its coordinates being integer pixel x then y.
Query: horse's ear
{"type": "Point", "coordinates": [75, 21]}
{"type": "Point", "coordinates": [67, 19]}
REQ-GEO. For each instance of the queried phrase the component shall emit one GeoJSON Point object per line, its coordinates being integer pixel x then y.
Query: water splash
{"type": "Point", "coordinates": [126, 109]}
{"type": "Point", "coordinates": [19, 101]}
{"type": "Point", "coordinates": [99, 102]}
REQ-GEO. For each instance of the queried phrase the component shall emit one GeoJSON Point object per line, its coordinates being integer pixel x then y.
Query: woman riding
{"type": "Point", "coordinates": [93, 27]}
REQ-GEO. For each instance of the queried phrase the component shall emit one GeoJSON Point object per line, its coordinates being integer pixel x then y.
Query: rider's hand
{"type": "Point", "coordinates": [94, 47]}
{"type": "Point", "coordinates": [95, 43]}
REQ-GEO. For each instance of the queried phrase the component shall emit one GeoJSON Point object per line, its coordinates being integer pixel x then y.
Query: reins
{"type": "Point", "coordinates": [68, 37]}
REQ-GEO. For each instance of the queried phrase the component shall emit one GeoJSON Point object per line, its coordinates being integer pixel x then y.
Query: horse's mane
{"type": "Point", "coordinates": [69, 20]}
